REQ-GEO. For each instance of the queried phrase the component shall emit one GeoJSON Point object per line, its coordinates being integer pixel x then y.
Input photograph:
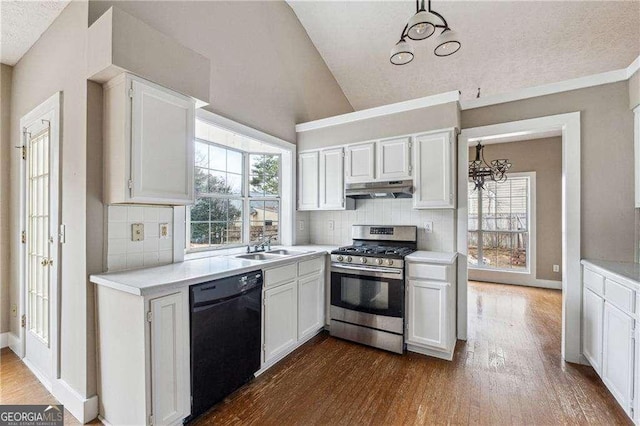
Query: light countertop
{"type": "Point", "coordinates": [628, 271]}
{"type": "Point", "coordinates": [146, 281]}
{"type": "Point", "coordinates": [432, 257]}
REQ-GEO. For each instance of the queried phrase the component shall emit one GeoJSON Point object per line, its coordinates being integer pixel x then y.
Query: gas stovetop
{"type": "Point", "coordinates": [374, 251]}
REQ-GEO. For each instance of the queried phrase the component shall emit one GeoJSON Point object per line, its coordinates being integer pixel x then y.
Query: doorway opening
{"type": "Point", "coordinates": [521, 252]}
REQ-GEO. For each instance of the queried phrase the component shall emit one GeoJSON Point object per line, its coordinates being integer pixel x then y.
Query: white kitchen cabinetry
{"type": "Point", "coordinates": [394, 159]}
{"type": "Point", "coordinates": [143, 354]}
{"type": "Point", "coordinates": [361, 162]}
{"type": "Point", "coordinates": [636, 133]}
{"type": "Point", "coordinates": [293, 307]}
{"type": "Point", "coordinates": [321, 180]}
{"type": "Point", "coordinates": [148, 143]}
{"type": "Point", "coordinates": [434, 182]}
{"type": "Point", "coordinates": [431, 309]}
{"type": "Point", "coordinates": [609, 333]}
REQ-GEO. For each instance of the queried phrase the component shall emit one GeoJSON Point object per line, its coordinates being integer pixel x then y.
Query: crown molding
{"type": "Point", "coordinates": [364, 114]}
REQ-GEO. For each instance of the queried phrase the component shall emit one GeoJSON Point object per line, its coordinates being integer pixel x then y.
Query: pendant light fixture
{"type": "Point", "coordinates": [421, 26]}
{"type": "Point", "coordinates": [480, 170]}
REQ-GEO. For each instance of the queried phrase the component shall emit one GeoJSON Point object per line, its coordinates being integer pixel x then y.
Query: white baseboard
{"type": "Point", "coordinates": [512, 279]}
{"type": "Point", "coordinates": [436, 353]}
{"type": "Point", "coordinates": [4, 340]}
{"type": "Point", "coordinates": [46, 382]}
{"type": "Point", "coordinates": [15, 344]}
{"type": "Point", "coordinates": [83, 409]}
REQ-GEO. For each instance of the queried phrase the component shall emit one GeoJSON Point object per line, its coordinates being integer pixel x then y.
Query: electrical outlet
{"type": "Point", "coordinates": [301, 225]}
{"type": "Point", "coordinates": [14, 310]}
{"type": "Point", "coordinates": [164, 231]}
{"type": "Point", "coordinates": [137, 232]}
{"type": "Point", "coordinates": [428, 227]}
{"type": "Point", "coordinates": [556, 268]}
{"type": "Point", "coordinates": [332, 225]}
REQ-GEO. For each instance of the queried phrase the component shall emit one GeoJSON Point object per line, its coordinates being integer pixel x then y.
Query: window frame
{"type": "Point", "coordinates": [531, 231]}
{"type": "Point", "coordinates": [244, 196]}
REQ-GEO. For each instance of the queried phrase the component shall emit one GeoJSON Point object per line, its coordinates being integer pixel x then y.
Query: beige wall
{"type": "Point", "coordinates": [5, 153]}
{"type": "Point", "coordinates": [607, 160]}
{"type": "Point", "coordinates": [419, 120]}
{"type": "Point", "coordinates": [265, 71]}
{"type": "Point", "coordinates": [543, 156]}
{"type": "Point", "coordinates": [57, 62]}
{"type": "Point", "coordinates": [634, 90]}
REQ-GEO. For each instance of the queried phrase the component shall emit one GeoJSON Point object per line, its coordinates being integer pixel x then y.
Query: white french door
{"type": "Point", "coordinates": [40, 241]}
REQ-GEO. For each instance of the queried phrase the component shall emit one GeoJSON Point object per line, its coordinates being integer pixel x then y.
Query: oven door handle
{"type": "Point", "coordinates": [370, 271]}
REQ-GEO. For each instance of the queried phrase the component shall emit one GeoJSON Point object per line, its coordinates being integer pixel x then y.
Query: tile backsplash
{"type": "Point", "coordinates": [122, 252]}
{"type": "Point", "coordinates": [384, 212]}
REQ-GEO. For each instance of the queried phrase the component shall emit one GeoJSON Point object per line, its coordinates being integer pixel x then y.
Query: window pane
{"type": "Point", "coordinates": [218, 183]}
{"type": "Point", "coordinates": [218, 233]}
{"type": "Point", "coordinates": [219, 210]}
{"type": "Point", "coordinates": [199, 235]}
{"type": "Point", "coordinates": [271, 230]}
{"type": "Point", "coordinates": [217, 158]}
{"type": "Point", "coordinates": [264, 175]}
{"type": "Point", "coordinates": [234, 162]}
{"type": "Point", "coordinates": [256, 211]}
{"type": "Point", "coordinates": [256, 231]}
{"type": "Point", "coordinates": [234, 183]}
{"type": "Point", "coordinates": [235, 210]}
{"type": "Point", "coordinates": [202, 154]}
{"type": "Point", "coordinates": [473, 248]}
{"type": "Point", "coordinates": [200, 210]}
{"type": "Point", "coordinates": [271, 211]}
{"type": "Point", "coordinates": [201, 180]}
{"type": "Point", "coordinates": [234, 233]}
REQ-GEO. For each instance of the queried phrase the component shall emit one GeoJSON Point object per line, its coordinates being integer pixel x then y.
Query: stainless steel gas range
{"type": "Point", "coordinates": [368, 288]}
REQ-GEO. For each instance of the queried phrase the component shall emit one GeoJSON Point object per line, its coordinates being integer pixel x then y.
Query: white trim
{"type": "Point", "coordinates": [46, 382]}
{"type": "Point", "coordinates": [395, 108]}
{"type": "Point", "coordinates": [4, 340]}
{"type": "Point", "coordinates": [636, 147]}
{"type": "Point", "coordinates": [15, 344]}
{"type": "Point", "coordinates": [436, 353]}
{"type": "Point", "coordinates": [633, 67]}
{"type": "Point", "coordinates": [83, 409]}
{"type": "Point", "coordinates": [571, 281]}
{"type": "Point", "coordinates": [244, 130]}
{"type": "Point", "coordinates": [513, 280]}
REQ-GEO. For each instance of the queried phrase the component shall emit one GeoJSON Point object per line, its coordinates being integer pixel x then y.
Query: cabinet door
{"type": "Point", "coordinates": [434, 183]}
{"type": "Point", "coordinates": [593, 307]}
{"type": "Point", "coordinates": [308, 169]}
{"type": "Point", "coordinates": [310, 305]}
{"type": "Point", "coordinates": [280, 319]}
{"type": "Point", "coordinates": [169, 360]}
{"type": "Point", "coordinates": [332, 179]}
{"type": "Point", "coordinates": [427, 313]}
{"type": "Point", "coordinates": [394, 159]}
{"type": "Point", "coordinates": [162, 145]}
{"type": "Point", "coordinates": [617, 354]}
{"type": "Point", "coordinates": [360, 162]}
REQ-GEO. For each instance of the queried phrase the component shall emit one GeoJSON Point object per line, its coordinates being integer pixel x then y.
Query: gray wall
{"type": "Point", "coordinates": [265, 71]}
{"type": "Point", "coordinates": [5, 153]}
{"type": "Point", "coordinates": [418, 120]}
{"type": "Point", "coordinates": [607, 160]}
{"type": "Point", "coordinates": [543, 156]}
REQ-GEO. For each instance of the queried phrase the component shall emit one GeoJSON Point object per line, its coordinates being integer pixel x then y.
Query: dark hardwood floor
{"type": "Point", "coordinates": [508, 372]}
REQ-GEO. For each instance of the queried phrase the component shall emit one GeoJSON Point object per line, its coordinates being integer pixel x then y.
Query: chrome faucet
{"type": "Point", "coordinates": [260, 246]}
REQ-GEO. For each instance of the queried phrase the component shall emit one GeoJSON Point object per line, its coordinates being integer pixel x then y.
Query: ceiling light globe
{"type": "Point", "coordinates": [401, 53]}
{"type": "Point", "coordinates": [420, 26]}
{"type": "Point", "coordinates": [447, 43]}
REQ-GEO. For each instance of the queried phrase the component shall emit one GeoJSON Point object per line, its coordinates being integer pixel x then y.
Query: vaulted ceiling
{"type": "Point", "coordinates": [506, 45]}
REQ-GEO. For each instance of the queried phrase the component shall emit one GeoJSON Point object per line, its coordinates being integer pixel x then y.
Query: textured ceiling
{"type": "Point", "coordinates": [22, 23]}
{"type": "Point", "coordinates": [506, 45]}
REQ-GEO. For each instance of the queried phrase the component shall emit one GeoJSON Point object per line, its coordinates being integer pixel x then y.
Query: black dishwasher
{"type": "Point", "coordinates": [225, 337]}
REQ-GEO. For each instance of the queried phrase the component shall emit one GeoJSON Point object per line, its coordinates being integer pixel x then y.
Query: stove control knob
{"type": "Point", "coordinates": [348, 258]}
{"type": "Point", "coordinates": [339, 258]}
{"type": "Point", "coordinates": [363, 259]}
{"type": "Point", "coordinates": [379, 261]}
{"type": "Point", "coordinates": [390, 262]}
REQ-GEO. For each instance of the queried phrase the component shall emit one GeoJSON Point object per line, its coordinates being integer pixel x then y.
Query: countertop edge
{"type": "Point", "coordinates": [605, 269]}
{"type": "Point", "coordinates": [444, 258]}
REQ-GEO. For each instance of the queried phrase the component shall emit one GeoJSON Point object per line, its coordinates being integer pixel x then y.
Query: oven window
{"type": "Point", "coordinates": [361, 293]}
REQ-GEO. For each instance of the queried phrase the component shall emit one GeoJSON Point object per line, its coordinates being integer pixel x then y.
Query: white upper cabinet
{"type": "Point", "coordinates": [332, 179]}
{"type": "Point", "coordinates": [308, 177]}
{"type": "Point", "coordinates": [148, 143]}
{"type": "Point", "coordinates": [636, 133]}
{"type": "Point", "coordinates": [394, 159]}
{"type": "Point", "coordinates": [434, 159]}
{"type": "Point", "coordinates": [361, 162]}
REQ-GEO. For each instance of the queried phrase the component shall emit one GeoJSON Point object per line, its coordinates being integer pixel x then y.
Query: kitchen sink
{"type": "Point", "coordinates": [285, 252]}
{"type": "Point", "coordinates": [259, 256]}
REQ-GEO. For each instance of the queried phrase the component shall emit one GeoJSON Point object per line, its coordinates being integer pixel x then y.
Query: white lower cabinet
{"type": "Point", "coordinates": [609, 334]}
{"type": "Point", "coordinates": [280, 319]}
{"type": "Point", "coordinates": [618, 354]}
{"type": "Point", "coordinates": [293, 307]}
{"type": "Point", "coordinates": [593, 306]}
{"type": "Point", "coordinates": [431, 309]}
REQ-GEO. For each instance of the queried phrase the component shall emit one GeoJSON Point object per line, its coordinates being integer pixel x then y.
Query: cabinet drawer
{"type": "Point", "coordinates": [593, 281]}
{"type": "Point", "coordinates": [428, 271]}
{"type": "Point", "coordinates": [280, 275]}
{"type": "Point", "coordinates": [619, 296]}
{"type": "Point", "coordinates": [310, 266]}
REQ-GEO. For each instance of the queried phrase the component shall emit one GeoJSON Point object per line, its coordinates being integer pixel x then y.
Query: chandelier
{"type": "Point", "coordinates": [421, 26]}
{"type": "Point", "coordinates": [480, 170]}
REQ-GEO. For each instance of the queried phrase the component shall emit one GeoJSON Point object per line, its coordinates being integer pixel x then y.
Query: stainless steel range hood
{"type": "Point", "coordinates": [393, 189]}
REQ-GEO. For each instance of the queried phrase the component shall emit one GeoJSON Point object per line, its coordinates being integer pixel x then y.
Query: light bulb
{"type": "Point", "coordinates": [421, 28]}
